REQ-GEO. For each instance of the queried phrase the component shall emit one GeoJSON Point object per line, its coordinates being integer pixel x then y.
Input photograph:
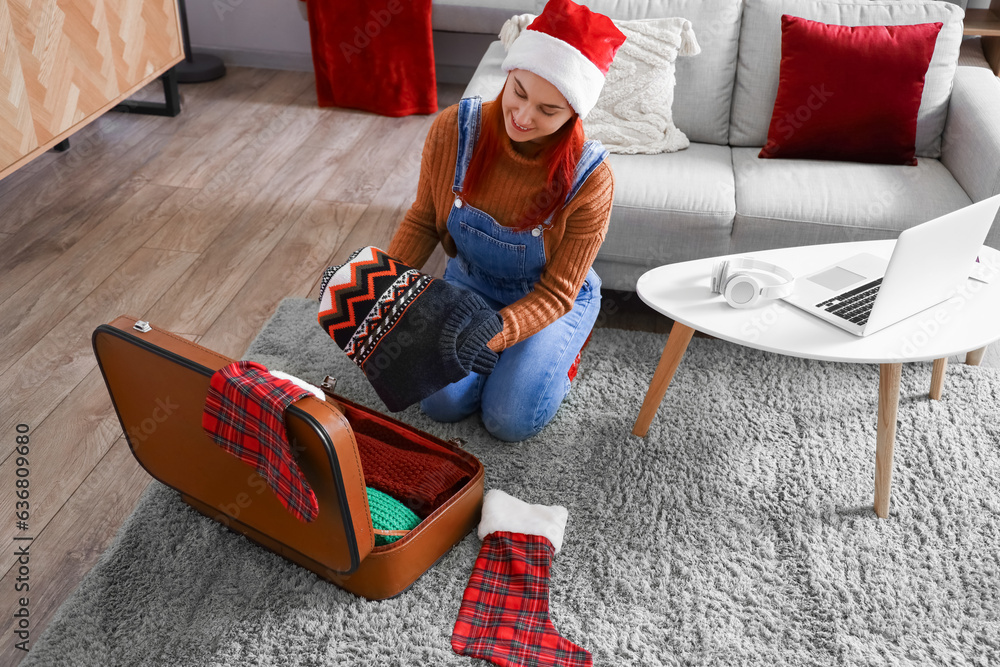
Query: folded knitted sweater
{"type": "Point", "coordinates": [420, 480]}
{"type": "Point", "coordinates": [411, 334]}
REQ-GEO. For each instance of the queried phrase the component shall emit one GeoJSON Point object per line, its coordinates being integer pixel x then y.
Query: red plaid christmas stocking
{"type": "Point", "coordinates": [504, 616]}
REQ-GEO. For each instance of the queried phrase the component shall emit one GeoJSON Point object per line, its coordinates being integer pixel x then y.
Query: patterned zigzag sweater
{"type": "Point", "coordinates": [571, 243]}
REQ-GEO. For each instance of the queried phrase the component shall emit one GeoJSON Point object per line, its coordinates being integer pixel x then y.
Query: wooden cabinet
{"type": "Point", "coordinates": [986, 22]}
{"type": "Point", "coordinates": [65, 62]}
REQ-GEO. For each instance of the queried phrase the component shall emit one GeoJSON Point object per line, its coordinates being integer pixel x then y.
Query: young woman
{"type": "Point", "coordinates": [520, 202]}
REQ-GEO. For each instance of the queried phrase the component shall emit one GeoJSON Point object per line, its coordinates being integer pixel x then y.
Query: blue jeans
{"type": "Point", "coordinates": [530, 380]}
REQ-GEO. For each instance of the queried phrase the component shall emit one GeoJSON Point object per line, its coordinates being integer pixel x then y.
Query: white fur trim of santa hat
{"type": "Point", "coordinates": [505, 513]}
{"type": "Point", "coordinates": [561, 64]}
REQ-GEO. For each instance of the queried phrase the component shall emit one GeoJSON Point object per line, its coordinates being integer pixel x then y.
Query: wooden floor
{"type": "Point", "coordinates": [200, 224]}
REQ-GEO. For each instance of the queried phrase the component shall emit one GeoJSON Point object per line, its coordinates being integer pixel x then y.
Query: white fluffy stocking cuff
{"type": "Point", "coordinates": [505, 513]}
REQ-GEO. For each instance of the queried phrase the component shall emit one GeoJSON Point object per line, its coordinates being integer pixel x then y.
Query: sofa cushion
{"type": "Point", "coordinates": [760, 56]}
{"type": "Point", "coordinates": [849, 93]}
{"type": "Point", "coordinates": [704, 89]}
{"type": "Point", "coordinates": [478, 17]}
{"type": "Point", "coordinates": [783, 203]}
{"type": "Point", "coordinates": [668, 208]}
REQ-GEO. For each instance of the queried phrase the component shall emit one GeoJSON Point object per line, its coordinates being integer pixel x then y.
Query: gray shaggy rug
{"type": "Point", "coordinates": [739, 532]}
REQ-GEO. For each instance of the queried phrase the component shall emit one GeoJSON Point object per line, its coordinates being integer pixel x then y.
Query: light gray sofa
{"type": "Point", "coordinates": [717, 196]}
{"type": "Point", "coordinates": [464, 30]}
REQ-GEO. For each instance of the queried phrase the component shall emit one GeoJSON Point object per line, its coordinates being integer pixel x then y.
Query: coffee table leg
{"type": "Point", "coordinates": [937, 378]}
{"type": "Point", "coordinates": [677, 342]}
{"type": "Point", "coordinates": [888, 405]}
{"type": "Point", "coordinates": [975, 356]}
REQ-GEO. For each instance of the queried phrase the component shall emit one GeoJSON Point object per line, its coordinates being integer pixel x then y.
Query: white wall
{"type": "Point", "coordinates": [254, 33]}
{"type": "Point", "coordinates": [275, 34]}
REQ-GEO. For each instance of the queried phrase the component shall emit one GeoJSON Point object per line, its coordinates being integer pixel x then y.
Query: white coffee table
{"type": "Point", "coordinates": [966, 323]}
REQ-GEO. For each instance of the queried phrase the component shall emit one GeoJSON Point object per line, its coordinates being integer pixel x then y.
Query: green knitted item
{"type": "Point", "coordinates": [389, 514]}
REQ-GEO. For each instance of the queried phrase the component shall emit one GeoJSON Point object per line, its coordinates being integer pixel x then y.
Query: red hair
{"type": "Point", "coordinates": [561, 154]}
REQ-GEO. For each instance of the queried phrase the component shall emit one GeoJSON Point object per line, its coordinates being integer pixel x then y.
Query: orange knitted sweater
{"type": "Point", "coordinates": [571, 241]}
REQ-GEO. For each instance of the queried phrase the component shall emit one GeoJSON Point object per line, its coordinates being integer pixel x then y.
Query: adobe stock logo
{"type": "Point", "coordinates": [793, 121]}
{"type": "Point", "coordinates": [143, 430]}
{"type": "Point", "coordinates": [372, 29]}
{"type": "Point", "coordinates": [760, 322]}
{"type": "Point", "coordinates": [223, 7]}
{"type": "Point", "coordinates": [933, 322]}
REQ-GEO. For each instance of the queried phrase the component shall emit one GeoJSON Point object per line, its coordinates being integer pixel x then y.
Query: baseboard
{"type": "Point", "coordinates": [302, 62]}
{"type": "Point", "coordinates": [286, 60]}
{"type": "Point", "coordinates": [456, 56]}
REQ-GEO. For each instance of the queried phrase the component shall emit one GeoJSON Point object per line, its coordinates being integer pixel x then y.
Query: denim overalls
{"type": "Point", "coordinates": [502, 265]}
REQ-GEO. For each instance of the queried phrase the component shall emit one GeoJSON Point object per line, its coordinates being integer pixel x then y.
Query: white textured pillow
{"type": "Point", "coordinates": [634, 112]}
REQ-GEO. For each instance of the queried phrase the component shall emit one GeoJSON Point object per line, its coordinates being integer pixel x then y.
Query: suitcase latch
{"type": "Point", "coordinates": [329, 385]}
{"type": "Point", "coordinates": [142, 326]}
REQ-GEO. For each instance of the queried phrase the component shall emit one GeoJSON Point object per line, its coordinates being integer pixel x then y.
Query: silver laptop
{"type": "Point", "coordinates": [864, 293]}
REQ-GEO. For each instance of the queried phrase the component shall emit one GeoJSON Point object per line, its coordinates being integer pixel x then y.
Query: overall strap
{"type": "Point", "coordinates": [591, 158]}
{"type": "Point", "coordinates": [470, 118]}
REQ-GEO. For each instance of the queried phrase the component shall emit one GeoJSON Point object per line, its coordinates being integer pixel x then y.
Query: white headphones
{"type": "Point", "coordinates": [739, 280]}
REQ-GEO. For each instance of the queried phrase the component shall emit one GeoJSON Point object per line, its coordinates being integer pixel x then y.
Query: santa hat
{"type": "Point", "coordinates": [571, 47]}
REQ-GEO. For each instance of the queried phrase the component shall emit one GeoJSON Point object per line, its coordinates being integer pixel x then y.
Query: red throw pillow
{"type": "Point", "coordinates": [849, 93]}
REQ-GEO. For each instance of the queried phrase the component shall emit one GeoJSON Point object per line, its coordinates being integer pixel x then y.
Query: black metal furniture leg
{"type": "Point", "coordinates": [171, 96]}
{"type": "Point", "coordinates": [171, 106]}
{"type": "Point", "coordinates": [62, 146]}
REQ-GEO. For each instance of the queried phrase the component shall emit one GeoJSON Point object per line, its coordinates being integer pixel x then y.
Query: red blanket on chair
{"type": "Point", "coordinates": [375, 55]}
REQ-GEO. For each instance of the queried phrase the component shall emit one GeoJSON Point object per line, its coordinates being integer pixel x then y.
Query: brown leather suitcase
{"type": "Point", "coordinates": [158, 383]}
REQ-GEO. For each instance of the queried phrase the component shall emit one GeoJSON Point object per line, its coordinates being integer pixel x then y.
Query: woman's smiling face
{"type": "Point", "coordinates": [532, 107]}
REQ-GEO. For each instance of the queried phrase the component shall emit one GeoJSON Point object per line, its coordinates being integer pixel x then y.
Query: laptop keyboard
{"type": "Point", "coordinates": [854, 306]}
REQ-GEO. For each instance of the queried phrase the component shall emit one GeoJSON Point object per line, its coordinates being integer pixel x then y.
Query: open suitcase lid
{"type": "Point", "coordinates": [158, 383]}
